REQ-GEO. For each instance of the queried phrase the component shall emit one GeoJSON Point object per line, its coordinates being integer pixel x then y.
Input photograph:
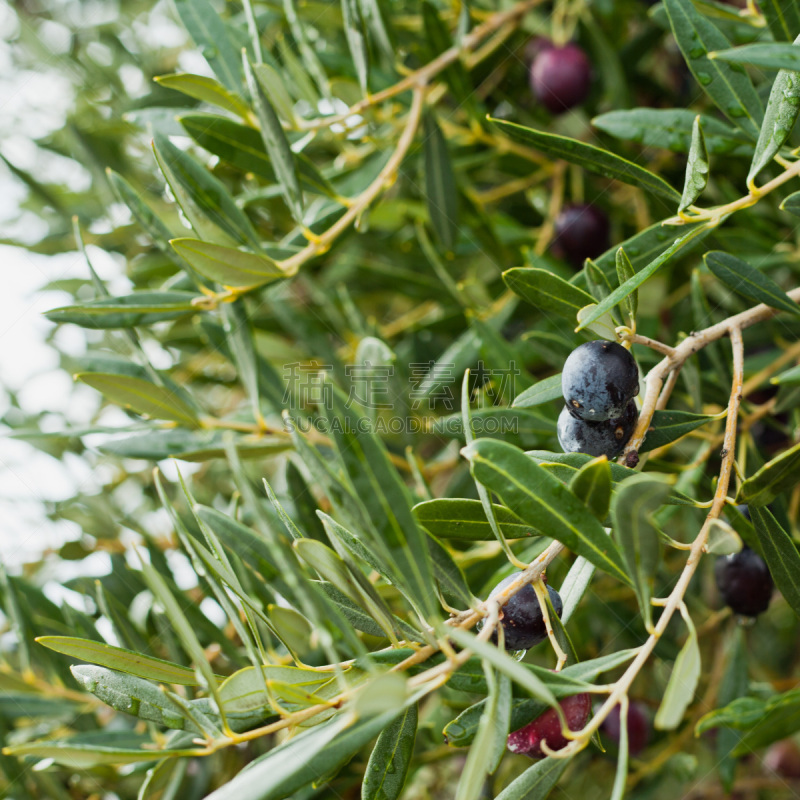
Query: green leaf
{"type": "Point", "coordinates": [671, 129]}
{"type": "Point", "coordinates": [779, 119]}
{"type": "Point", "coordinates": [448, 574]}
{"type": "Point", "coordinates": [768, 55]}
{"type": "Point", "coordinates": [544, 502]}
{"type": "Point", "coordinates": [356, 39]}
{"type": "Point", "coordinates": [243, 147]}
{"type": "Point", "coordinates": [391, 757]}
{"type": "Point", "coordinates": [625, 272]}
{"type": "Point", "coordinates": [299, 761]}
{"type": "Point", "coordinates": [669, 426]}
{"type": "Point", "coordinates": [440, 183]}
{"type": "Point", "coordinates": [748, 281]}
{"type": "Point", "coordinates": [536, 782]}
{"type": "Point", "coordinates": [591, 158]}
{"type": "Point", "coordinates": [542, 392]}
{"type": "Point", "coordinates": [106, 655]}
{"type": "Point", "coordinates": [205, 200]}
{"type": "Point", "coordinates": [211, 34]}
{"type": "Point", "coordinates": [455, 518]}
{"type": "Point", "coordinates": [592, 484]}
{"type": "Point", "coordinates": [547, 291]}
{"type": "Point", "coordinates": [621, 775]}
{"type": "Point", "coordinates": [781, 554]}
{"type": "Point", "coordinates": [763, 721]}
{"type": "Point", "coordinates": [127, 311]}
{"type": "Point", "coordinates": [783, 17]}
{"type": "Point", "coordinates": [132, 695]}
{"type": "Point", "coordinates": [439, 39]}
{"type": "Point", "coordinates": [575, 585]}
{"type": "Point", "coordinates": [209, 90]}
{"type": "Point", "coordinates": [642, 275]}
{"type": "Point", "coordinates": [78, 754]}
{"type": "Point", "coordinates": [733, 685]}
{"type": "Point", "coordinates": [635, 502]}
{"type": "Point", "coordinates": [526, 678]}
{"type": "Point", "coordinates": [774, 478]}
{"type": "Point", "coordinates": [728, 87]}
{"type": "Point", "coordinates": [141, 396]}
{"type": "Point", "coordinates": [226, 265]}
{"type": "Point", "coordinates": [792, 204]}
{"type": "Point", "coordinates": [682, 683]}
{"type": "Point", "coordinates": [696, 168]}
{"type": "Point", "coordinates": [276, 143]}
{"type": "Point", "coordinates": [272, 83]}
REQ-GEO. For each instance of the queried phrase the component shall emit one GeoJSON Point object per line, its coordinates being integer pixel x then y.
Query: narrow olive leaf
{"type": "Point", "coordinates": [774, 478]}
{"type": "Point", "coordinates": [142, 213]}
{"type": "Point", "coordinates": [542, 392]}
{"type": "Point", "coordinates": [770, 55]}
{"type": "Point", "coordinates": [391, 757]}
{"type": "Point", "coordinates": [749, 281]}
{"type": "Point", "coordinates": [547, 291]}
{"type": "Point", "coordinates": [625, 272]}
{"type": "Point", "coordinates": [107, 655]}
{"type": "Point", "coordinates": [127, 311]}
{"type": "Point", "coordinates": [635, 502]}
{"type": "Point", "coordinates": [205, 200]}
{"type": "Point", "coordinates": [164, 780]}
{"type": "Point", "coordinates": [592, 484]}
{"type": "Point", "coordinates": [132, 695]}
{"type": "Point", "coordinates": [669, 426]}
{"type": "Point", "coordinates": [537, 781]}
{"type": "Point", "coordinates": [448, 574]}
{"type": "Point", "coordinates": [728, 87]}
{"type": "Point", "coordinates": [696, 168]}
{"type": "Point", "coordinates": [783, 18]}
{"type": "Point", "coordinates": [526, 678]}
{"type": "Point", "coordinates": [682, 682]}
{"type": "Point", "coordinates": [243, 147]}
{"type": "Point", "coordinates": [273, 85]}
{"type": "Point", "coordinates": [85, 755]}
{"type": "Point", "coordinates": [604, 326]}
{"type": "Point", "coordinates": [456, 518]}
{"type": "Point", "coordinates": [621, 775]}
{"type": "Point", "coordinates": [441, 193]}
{"type": "Point", "coordinates": [276, 143]}
{"type": "Point", "coordinates": [575, 585]}
{"type": "Point", "coordinates": [791, 377]}
{"type": "Point", "coordinates": [141, 396]}
{"type": "Point", "coordinates": [781, 554]}
{"type": "Point", "coordinates": [356, 39]}
{"type": "Point", "coordinates": [299, 761]}
{"type": "Point", "coordinates": [762, 721]}
{"type": "Point", "coordinates": [779, 120]}
{"type": "Point", "coordinates": [792, 204]}
{"type": "Point", "coordinates": [671, 128]}
{"type": "Point", "coordinates": [227, 265]}
{"type": "Point", "coordinates": [544, 502]}
{"type": "Point", "coordinates": [210, 33]}
{"type": "Point", "coordinates": [209, 90]}
{"type": "Point", "coordinates": [733, 685]}
{"type": "Point", "coordinates": [591, 158]}
{"type": "Point", "coordinates": [439, 40]}
{"type": "Point", "coordinates": [642, 275]}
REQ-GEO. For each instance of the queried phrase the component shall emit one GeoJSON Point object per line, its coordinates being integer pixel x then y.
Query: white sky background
{"type": "Point", "coordinates": [31, 105]}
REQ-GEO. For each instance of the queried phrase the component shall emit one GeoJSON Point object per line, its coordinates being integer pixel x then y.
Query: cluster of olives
{"type": "Point", "coordinates": [599, 381]}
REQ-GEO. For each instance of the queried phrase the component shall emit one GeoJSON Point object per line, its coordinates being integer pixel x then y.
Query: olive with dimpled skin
{"type": "Point", "coordinates": [521, 617]}
{"type": "Point", "coordinates": [598, 380]}
{"type": "Point", "coordinates": [605, 438]}
{"type": "Point", "coordinates": [744, 581]}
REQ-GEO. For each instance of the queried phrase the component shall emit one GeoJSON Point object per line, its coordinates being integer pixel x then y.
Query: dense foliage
{"type": "Point", "coordinates": [360, 240]}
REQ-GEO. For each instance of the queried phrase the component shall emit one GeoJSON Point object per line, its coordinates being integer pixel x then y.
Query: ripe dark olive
{"type": "Point", "coordinates": [638, 727]}
{"type": "Point", "coordinates": [561, 77]}
{"type": "Point", "coordinates": [547, 727]}
{"type": "Point", "coordinates": [521, 617]}
{"type": "Point", "coordinates": [581, 232]}
{"type": "Point", "coordinates": [598, 380]}
{"type": "Point", "coordinates": [744, 582]}
{"type": "Point", "coordinates": [606, 438]}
